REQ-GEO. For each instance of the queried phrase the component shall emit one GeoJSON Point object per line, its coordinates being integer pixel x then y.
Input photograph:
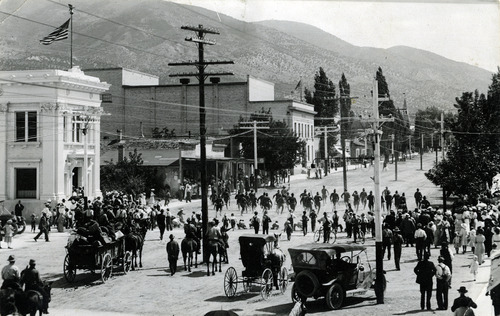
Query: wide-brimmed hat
{"type": "Point", "coordinates": [462, 289]}
{"type": "Point", "coordinates": [12, 258]}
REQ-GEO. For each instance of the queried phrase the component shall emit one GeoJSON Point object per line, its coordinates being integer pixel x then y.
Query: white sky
{"type": "Point", "coordinates": [462, 30]}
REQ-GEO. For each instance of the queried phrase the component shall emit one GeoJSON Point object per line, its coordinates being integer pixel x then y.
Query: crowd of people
{"type": "Point", "coordinates": [466, 229]}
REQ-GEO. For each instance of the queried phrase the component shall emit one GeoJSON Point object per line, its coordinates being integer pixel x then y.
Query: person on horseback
{"type": "Point", "coordinates": [30, 278]}
{"type": "Point", "coordinates": [191, 232]}
{"type": "Point", "coordinates": [214, 242]}
{"type": "Point", "coordinates": [11, 275]}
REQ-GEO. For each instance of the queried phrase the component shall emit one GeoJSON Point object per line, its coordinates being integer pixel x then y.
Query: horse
{"type": "Point", "coordinates": [278, 258]}
{"type": "Point", "coordinates": [188, 247]}
{"type": "Point", "coordinates": [213, 248]}
{"type": "Point", "coordinates": [134, 242]}
{"type": "Point", "coordinates": [23, 302]}
{"type": "Point", "coordinates": [223, 245]}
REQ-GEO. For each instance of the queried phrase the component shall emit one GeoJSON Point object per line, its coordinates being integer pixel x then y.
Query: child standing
{"type": "Point", "coordinates": [288, 230]}
{"type": "Point", "coordinates": [457, 241]}
{"type": "Point", "coordinates": [9, 232]}
{"type": "Point", "coordinates": [33, 223]}
{"type": "Point", "coordinates": [474, 266]}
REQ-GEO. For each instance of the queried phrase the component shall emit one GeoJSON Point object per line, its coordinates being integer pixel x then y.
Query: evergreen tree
{"type": "Point", "coordinates": [473, 159]}
{"type": "Point", "coordinates": [399, 128]}
{"type": "Point", "coordinates": [326, 105]}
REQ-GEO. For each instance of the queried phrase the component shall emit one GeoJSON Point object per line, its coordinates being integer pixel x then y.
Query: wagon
{"type": "Point", "coordinates": [332, 271]}
{"type": "Point", "coordinates": [103, 257]}
{"type": "Point", "coordinates": [263, 267]}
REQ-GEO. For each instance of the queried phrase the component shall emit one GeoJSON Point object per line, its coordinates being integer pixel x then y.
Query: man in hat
{"type": "Point", "coordinates": [397, 242]}
{"type": "Point", "coordinates": [172, 254]}
{"type": "Point", "coordinates": [43, 226]}
{"type": "Point", "coordinates": [11, 275]}
{"type": "Point", "coordinates": [425, 271]}
{"type": "Point", "coordinates": [265, 223]}
{"type": "Point", "coordinates": [462, 303]}
{"type": "Point", "coordinates": [443, 279]}
{"type": "Point", "coordinates": [420, 237]}
{"type": "Point", "coordinates": [161, 221]}
{"type": "Point", "coordinates": [32, 282]}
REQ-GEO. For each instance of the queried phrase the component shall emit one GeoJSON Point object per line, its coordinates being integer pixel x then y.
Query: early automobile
{"type": "Point", "coordinates": [333, 271]}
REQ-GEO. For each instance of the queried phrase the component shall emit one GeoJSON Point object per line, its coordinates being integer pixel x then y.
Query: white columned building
{"type": "Point", "coordinates": [43, 118]}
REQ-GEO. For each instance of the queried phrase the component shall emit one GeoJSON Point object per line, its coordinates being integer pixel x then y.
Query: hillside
{"type": "Point", "coordinates": [145, 35]}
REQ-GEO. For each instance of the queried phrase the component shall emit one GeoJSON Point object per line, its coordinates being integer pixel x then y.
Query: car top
{"type": "Point", "coordinates": [316, 256]}
{"type": "Point", "coordinates": [328, 248]}
{"type": "Point", "coordinates": [256, 238]}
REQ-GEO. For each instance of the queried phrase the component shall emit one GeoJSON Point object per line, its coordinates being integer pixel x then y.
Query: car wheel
{"type": "Point", "coordinates": [335, 296]}
{"type": "Point", "coordinates": [296, 296]}
{"type": "Point", "coordinates": [306, 283]}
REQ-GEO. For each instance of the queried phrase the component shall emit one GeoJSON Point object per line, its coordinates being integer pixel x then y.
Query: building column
{"type": "Point", "coordinates": [96, 168]}
{"type": "Point", "coordinates": [48, 138]}
{"type": "Point", "coordinates": [3, 149]}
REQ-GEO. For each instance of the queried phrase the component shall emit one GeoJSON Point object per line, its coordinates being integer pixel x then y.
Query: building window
{"type": "Point", "coordinates": [26, 127]}
{"type": "Point", "coordinates": [75, 131]}
{"type": "Point", "coordinates": [106, 98]}
{"type": "Point", "coordinates": [26, 183]}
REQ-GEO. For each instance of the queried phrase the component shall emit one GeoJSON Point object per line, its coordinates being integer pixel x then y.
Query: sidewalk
{"type": "Point", "coordinates": [478, 291]}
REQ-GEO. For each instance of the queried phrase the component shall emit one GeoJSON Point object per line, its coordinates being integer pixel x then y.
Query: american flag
{"type": "Point", "coordinates": [58, 34]}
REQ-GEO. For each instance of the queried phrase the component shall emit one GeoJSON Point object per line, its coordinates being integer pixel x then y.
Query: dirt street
{"type": "Point", "coordinates": [152, 291]}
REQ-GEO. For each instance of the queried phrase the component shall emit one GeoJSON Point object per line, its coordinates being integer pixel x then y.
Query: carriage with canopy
{"type": "Point", "coordinates": [97, 256]}
{"type": "Point", "coordinates": [263, 264]}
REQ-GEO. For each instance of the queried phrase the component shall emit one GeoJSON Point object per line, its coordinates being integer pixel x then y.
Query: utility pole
{"type": "Point", "coordinates": [255, 128]}
{"type": "Point", "coordinates": [326, 150]}
{"type": "Point", "coordinates": [442, 155]}
{"type": "Point", "coordinates": [380, 278]}
{"type": "Point", "coordinates": [201, 64]}
{"type": "Point", "coordinates": [409, 144]}
{"type": "Point", "coordinates": [396, 158]}
{"type": "Point", "coordinates": [421, 150]}
{"type": "Point", "coordinates": [325, 130]}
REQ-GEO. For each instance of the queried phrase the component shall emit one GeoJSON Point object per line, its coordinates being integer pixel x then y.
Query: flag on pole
{"type": "Point", "coordinates": [298, 84]}
{"type": "Point", "coordinates": [57, 35]}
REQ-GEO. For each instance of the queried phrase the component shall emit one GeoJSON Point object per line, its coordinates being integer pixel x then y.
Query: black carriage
{"type": "Point", "coordinates": [92, 257]}
{"type": "Point", "coordinates": [261, 267]}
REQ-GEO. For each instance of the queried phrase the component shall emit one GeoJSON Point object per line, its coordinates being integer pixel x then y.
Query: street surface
{"type": "Point", "coordinates": [151, 289]}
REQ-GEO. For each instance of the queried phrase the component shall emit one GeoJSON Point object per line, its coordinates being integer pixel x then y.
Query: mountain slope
{"type": "Point", "coordinates": [145, 35]}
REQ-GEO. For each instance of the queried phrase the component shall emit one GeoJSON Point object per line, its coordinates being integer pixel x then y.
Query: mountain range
{"type": "Point", "coordinates": [146, 35]}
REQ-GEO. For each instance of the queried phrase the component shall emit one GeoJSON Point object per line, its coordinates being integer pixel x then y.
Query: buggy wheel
{"type": "Point", "coordinates": [318, 235]}
{"type": "Point", "coordinates": [69, 271]}
{"type": "Point", "coordinates": [266, 284]}
{"type": "Point", "coordinates": [106, 267]}
{"type": "Point", "coordinates": [127, 262]}
{"type": "Point", "coordinates": [230, 282]}
{"type": "Point", "coordinates": [335, 296]}
{"type": "Point", "coordinates": [333, 236]}
{"type": "Point", "coordinates": [283, 280]}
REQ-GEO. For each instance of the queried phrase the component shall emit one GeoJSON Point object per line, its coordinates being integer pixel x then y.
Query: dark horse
{"type": "Point", "coordinates": [188, 247]}
{"type": "Point", "coordinates": [24, 303]}
{"type": "Point", "coordinates": [134, 241]}
{"type": "Point", "coordinates": [214, 249]}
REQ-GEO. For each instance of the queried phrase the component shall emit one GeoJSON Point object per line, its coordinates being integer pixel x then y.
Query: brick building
{"type": "Point", "coordinates": [137, 104]}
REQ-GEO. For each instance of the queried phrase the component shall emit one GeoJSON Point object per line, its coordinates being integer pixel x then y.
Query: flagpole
{"type": "Point", "coordinates": [71, 7]}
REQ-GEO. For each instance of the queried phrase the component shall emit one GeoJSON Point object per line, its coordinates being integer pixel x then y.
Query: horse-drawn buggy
{"type": "Point", "coordinates": [332, 271]}
{"type": "Point", "coordinates": [97, 256]}
{"type": "Point", "coordinates": [263, 262]}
